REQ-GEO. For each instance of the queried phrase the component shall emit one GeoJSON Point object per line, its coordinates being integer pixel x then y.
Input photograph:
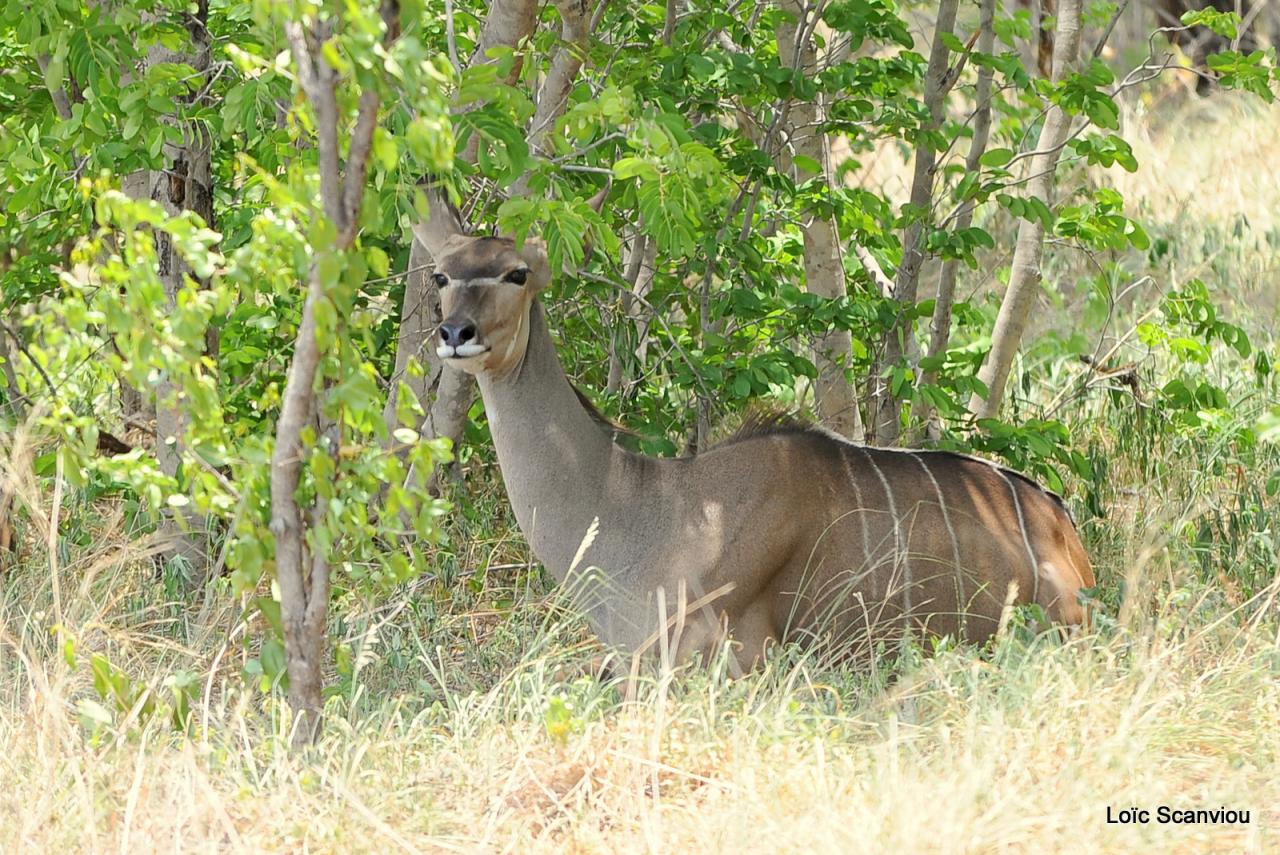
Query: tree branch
{"type": "Point", "coordinates": [61, 103]}
{"type": "Point", "coordinates": [900, 341]}
{"type": "Point", "coordinates": [1025, 275]}
{"type": "Point", "coordinates": [940, 324]}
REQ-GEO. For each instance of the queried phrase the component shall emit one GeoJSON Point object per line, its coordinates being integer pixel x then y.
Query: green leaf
{"type": "Point", "coordinates": [808, 164]}
{"type": "Point", "coordinates": [635, 167]}
{"type": "Point", "coordinates": [1225, 24]}
{"type": "Point", "coordinates": [996, 157]}
{"type": "Point", "coordinates": [273, 662]}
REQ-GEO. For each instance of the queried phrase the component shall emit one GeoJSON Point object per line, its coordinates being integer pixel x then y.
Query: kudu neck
{"type": "Point", "coordinates": [555, 458]}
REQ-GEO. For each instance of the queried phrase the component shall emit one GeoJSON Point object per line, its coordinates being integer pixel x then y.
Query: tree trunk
{"type": "Point", "coordinates": [641, 258]}
{"type": "Point", "coordinates": [836, 403]}
{"type": "Point", "coordinates": [136, 408]}
{"type": "Point", "coordinates": [940, 324]}
{"type": "Point", "coordinates": [304, 576]}
{"type": "Point", "coordinates": [302, 610]}
{"type": "Point", "coordinates": [184, 185]}
{"type": "Point", "coordinates": [508, 23]}
{"type": "Point", "coordinates": [1024, 275]}
{"type": "Point", "coordinates": [419, 318]}
{"type": "Point", "coordinates": [900, 341]}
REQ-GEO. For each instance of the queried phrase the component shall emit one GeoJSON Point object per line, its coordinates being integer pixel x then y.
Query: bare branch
{"type": "Point", "coordinates": [1025, 276]}
{"type": "Point", "coordinates": [940, 324]}
{"type": "Point", "coordinates": [901, 337]}
{"type": "Point", "coordinates": [61, 103]}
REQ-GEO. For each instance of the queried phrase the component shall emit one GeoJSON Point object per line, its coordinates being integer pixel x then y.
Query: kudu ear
{"type": "Point", "coordinates": [443, 223]}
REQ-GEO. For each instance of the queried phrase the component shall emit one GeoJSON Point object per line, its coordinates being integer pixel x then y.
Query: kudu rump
{"type": "Point", "coordinates": [785, 531]}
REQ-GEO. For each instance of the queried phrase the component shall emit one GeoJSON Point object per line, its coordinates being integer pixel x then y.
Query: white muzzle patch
{"type": "Point", "coordinates": [461, 351]}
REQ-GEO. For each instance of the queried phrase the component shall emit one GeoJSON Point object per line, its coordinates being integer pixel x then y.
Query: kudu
{"type": "Point", "coordinates": [784, 532]}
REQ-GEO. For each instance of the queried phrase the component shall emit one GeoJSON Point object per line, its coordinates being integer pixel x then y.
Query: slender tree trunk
{"type": "Point", "coordinates": [639, 276]}
{"type": "Point", "coordinates": [419, 319]}
{"type": "Point", "coordinates": [940, 324]}
{"type": "Point", "coordinates": [837, 405]}
{"type": "Point", "coordinates": [135, 407]}
{"type": "Point", "coordinates": [61, 103]}
{"type": "Point", "coordinates": [900, 341]}
{"type": "Point", "coordinates": [184, 185]}
{"type": "Point", "coordinates": [303, 575]}
{"type": "Point", "coordinates": [1024, 275]}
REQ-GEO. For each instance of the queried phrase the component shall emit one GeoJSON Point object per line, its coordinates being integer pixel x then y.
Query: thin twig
{"type": "Point", "coordinates": [22, 346]}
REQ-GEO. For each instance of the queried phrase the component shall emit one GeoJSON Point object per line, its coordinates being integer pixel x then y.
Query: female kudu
{"type": "Point", "coordinates": [786, 531]}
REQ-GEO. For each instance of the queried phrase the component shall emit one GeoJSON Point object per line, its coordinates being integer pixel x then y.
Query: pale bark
{"type": "Point", "coordinates": [303, 576]}
{"type": "Point", "coordinates": [61, 103]}
{"type": "Point", "coordinates": [639, 267]}
{"type": "Point", "coordinates": [940, 324]}
{"type": "Point", "coordinates": [184, 185]}
{"type": "Point", "coordinates": [836, 403]}
{"type": "Point", "coordinates": [419, 318]}
{"type": "Point", "coordinates": [1024, 274]}
{"type": "Point", "coordinates": [553, 96]}
{"type": "Point", "coordinates": [508, 23]}
{"type": "Point", "coordinates": [900, 341]}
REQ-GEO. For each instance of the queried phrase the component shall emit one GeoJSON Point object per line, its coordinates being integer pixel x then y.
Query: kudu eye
{"type": "Point", "coordinates": [518, 277]}
{"type": "Point", "coordinates": [440, 279]}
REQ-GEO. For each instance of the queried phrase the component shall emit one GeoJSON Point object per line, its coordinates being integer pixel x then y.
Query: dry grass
{"type": "Point", "coordinates": [1204, 160]}
{"type": "Point", "coordinates": [1024, 746]}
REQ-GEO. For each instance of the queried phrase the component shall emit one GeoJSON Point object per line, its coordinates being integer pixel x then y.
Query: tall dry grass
{"type": "Point", "coordinates": [1021, 749]}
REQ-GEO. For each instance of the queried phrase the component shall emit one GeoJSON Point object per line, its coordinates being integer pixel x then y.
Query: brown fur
{"type": "Point", "coordinates": [785, 531]}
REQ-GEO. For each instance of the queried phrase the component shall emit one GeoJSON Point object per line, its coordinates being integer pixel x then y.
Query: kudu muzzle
{"type": "Point", "coordinates": [459, 339]}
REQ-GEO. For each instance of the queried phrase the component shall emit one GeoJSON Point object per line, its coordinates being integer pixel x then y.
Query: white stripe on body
{"type": "Point", "coordinates": [1026, 541]}
{"type": "Point", "coordinates": [897, 539]}
{"type": "Point", "coordinates": [951, 532]}
{"type": "Point", "coordinates": [862, 512]}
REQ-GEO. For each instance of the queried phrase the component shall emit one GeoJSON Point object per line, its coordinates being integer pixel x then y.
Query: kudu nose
{"type": "Point", "coordinates": [455, 333]}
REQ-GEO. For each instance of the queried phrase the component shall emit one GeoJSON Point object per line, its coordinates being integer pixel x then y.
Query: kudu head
{"type": "Point", "coordinates": [486, 287]}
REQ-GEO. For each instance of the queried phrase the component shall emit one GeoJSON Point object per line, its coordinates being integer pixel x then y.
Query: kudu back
{"type": "Point", "coordinates": [784, 532]}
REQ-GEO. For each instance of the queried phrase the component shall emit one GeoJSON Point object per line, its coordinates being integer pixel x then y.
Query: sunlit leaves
{"type": "Point", "coordinates": [1083, 92]}
{"type": "Point", "coordinates": [1225, 24]}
